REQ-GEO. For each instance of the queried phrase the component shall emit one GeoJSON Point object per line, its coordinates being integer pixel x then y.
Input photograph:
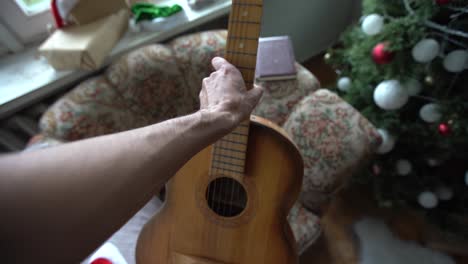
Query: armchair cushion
{"type": "Point", "coordinates": [305, 226]}
{"type": "Point", "coordinates": [334, 138]}
{"type": "Point", "coordinates": [93, 108]}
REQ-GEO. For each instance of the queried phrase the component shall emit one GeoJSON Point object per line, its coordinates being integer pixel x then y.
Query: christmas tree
{"type": "Point", "coordinates": [405, 68]}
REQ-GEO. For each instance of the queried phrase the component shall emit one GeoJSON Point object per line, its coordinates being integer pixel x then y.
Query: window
{"type": "Point", "coordinates": [32, 7]}
{"type": "Point", "coordinates": [25, 22]}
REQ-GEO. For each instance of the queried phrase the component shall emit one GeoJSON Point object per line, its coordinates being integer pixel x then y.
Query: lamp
{"type": "Point", "coordinates": [313, 25]}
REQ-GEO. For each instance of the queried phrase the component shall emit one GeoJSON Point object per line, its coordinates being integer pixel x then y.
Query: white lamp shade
{"type": "Point", "coordinates": [313, 25]}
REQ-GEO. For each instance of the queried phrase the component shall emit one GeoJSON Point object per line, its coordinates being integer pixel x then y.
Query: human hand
{"type": "Point", "coordinates": [224, 92]}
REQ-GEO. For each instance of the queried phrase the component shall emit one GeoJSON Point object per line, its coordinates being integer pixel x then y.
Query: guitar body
{"type": "Point", "coordinates": [229, 218]}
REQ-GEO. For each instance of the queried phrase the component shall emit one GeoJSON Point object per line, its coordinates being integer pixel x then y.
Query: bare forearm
{"type": "Point", "coordinates": [59, 204]}
{"type": "Point", "coordinates": [74, 196]}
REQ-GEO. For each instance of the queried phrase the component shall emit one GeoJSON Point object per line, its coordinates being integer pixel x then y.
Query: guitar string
{"type": "Point", "coordinates": [236, 16]}
{"type": "Point", "coordinates": [229, 47]}
{"type": "Point", "coordinates": [218, 188]}
{"type": "Point", "coordinates": [213, 176]}
{"type": "Point", "coordinates": [218, 207]}
{"type": "Point", "coordinates": [243, 33]}
{"type": "Point", "coordinates": [221, 196]}
{"type": "Point", "coordinates": [235, 187]}
{"type": "Point", "coordinates": [235, 12]}
{"type": "Point", "coordinates": [217, 173]}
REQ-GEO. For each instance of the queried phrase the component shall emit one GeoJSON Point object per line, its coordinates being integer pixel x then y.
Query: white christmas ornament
{"type": "Point", "coordinates": [403, 167]}
{"type": "Point", "coordinates": [390, 95]}
{"type": "Point", "coordinates": [444, 193]}
{"type": "Point", "coordinates": [456, 60]}
{"type": "Point", "coordinates": [430, 113]}
{"type": "Point", "coordinates": [425, 50]}
{"type": "Point", "coordinates": [413, 87]}
{"type": "Point", "coordinates": [344, 84]}
{"type": "Point", "coordinates": [372, 24]}
{"type": "Point", "coordinates": [428, 200]}
{"type": "Point", "coordinates": [388, 142]}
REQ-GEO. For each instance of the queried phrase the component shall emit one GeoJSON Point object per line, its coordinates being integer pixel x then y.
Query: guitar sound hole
{"type": "Point", "coordinates": [226, 197]}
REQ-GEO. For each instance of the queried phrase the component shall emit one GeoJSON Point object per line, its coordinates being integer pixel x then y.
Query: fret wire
{"type": "Point", "coordinates": [235, 138]}
{"type": "Point", "coordinates": [228, 149]}
{"type": "Point", "coordinates": [246, 68]}
{"type": "Point", "coordinates": [226, 169]}
{"type": "Point", "coordinates": [242, 130]}
{"type": "Point", "coordinates": [241, 53]}
{"type": "Point", "coordinates": [228, 163]}
{"type": "Point", "coordinates": [234, 142]}
{"type": "Point", "coordinates": [230, 157]}
{"type": "Point", "coordinates": [239, 134]}
{"type": "Point", "coordinates": [231, 146]}
{"type": "Point", "coordinates": [226, 172]}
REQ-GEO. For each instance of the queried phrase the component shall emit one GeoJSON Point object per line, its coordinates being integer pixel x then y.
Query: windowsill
{"type": "Point", "coordinates": [26, 79]}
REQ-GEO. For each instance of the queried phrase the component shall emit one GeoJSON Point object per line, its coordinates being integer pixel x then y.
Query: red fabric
{"type": "Point", "coordinates": [56, 14]}
{"type": "Point", "coordinates": [101, 261]}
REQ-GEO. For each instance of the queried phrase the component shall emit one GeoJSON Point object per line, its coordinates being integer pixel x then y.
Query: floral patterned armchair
{"type": "Point", "coordinates": [158, 82]}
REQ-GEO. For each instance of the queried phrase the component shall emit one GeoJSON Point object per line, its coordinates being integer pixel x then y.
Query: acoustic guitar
{"type": "Point", "coordinates": [229, 203]}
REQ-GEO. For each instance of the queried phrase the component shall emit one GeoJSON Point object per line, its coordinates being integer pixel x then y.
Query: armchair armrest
{"type": "Point", "coordinates": [335, 140]}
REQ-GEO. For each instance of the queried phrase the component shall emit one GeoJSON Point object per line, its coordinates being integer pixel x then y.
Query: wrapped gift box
{"type": "Point", "coordinates": [84, 46]}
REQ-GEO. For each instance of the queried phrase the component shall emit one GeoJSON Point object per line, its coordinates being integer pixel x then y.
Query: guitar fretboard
{"type": "Point", "coordinates": [229, 153]}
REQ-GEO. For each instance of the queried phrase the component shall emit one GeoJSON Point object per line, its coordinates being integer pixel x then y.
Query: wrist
{"type": "Point", "coordinates": [221, 122]}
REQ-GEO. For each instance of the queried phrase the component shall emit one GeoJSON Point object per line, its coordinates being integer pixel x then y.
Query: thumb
{"type": "Point", "coordinates": [218, 62]}
{"type": "Point", "coordinates": [254, 95]}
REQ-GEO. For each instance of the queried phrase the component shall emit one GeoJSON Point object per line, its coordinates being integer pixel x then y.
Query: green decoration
{"type": "Point", "coordinates": [147, 11]}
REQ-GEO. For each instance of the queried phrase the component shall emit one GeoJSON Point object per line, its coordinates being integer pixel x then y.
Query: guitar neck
{"type": "Point", "coordinates": [229, 153]}
{"type": "Point", "coordinates": [243, 33]}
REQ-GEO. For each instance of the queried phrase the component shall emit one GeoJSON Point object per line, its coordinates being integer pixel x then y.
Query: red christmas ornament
{"type": "Point", "coordinates": [381, 55]}
{"type": "Point", "coordinates": [101, 261]}
{"type": "Point", "coordinates": [444, 129]}
{"type": "Point", "coordinates": [443, 2]}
